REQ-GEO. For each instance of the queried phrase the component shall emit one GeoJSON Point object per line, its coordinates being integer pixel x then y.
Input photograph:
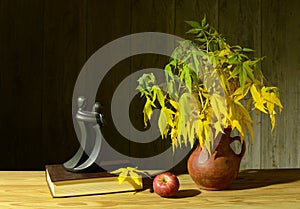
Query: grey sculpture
{"type": "Point", "coordinates": [89, 123]}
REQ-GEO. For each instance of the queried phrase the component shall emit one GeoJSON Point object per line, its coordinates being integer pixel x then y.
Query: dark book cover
{"type": "Point", "coordinates": [59, 173]}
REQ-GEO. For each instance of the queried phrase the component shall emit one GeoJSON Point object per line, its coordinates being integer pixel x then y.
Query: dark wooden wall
{"type": "Point", "coordinates": [44, 44]}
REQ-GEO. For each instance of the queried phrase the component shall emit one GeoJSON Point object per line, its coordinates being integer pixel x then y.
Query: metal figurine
{"type": "Point", "coordinates": [89, 124]}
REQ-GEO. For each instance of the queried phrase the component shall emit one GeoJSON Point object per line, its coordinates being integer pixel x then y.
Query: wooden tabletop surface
{"type": "Point", "coordinates": [252, 189]}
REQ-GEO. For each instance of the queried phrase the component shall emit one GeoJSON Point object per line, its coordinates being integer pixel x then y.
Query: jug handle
{"type": "Point", "coordinates": [243, 146]}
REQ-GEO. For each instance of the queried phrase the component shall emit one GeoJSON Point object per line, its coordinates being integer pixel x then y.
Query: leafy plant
{"type": "Point", "coordinates": [129, 172]}
{"type": "Point", "coordinates": [209, 86]}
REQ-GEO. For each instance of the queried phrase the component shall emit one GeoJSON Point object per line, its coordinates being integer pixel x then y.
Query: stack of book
{"type": "Point", "coordinates": [63, 183]}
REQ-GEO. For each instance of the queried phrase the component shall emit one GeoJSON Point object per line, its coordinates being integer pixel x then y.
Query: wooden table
{"type": "Point", "coordinates": [252, 189]}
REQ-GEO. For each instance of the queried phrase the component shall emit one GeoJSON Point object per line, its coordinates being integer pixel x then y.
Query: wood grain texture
{"type": "Point", "coordinates": [271, 31]}
{"type": "Point", "coordinates": [280, 44]}
{"type": "Point", "coordinates": [45, 43]}
{"type": "Point", "coordinates": [246, 32]}
{"type": "Point", "coordinates": [292, 57]}
{"type": "Point", "coordinates": [150, 16]}
{"type": "Point", "coordinates": [62, 61]}
{"type": "Point", "coordinates": [107, 21]}
{"type": "Point", "coordinates": [21, 83]}
{"type": "Point", "coordinates": [255, 189]}
{"type": "Point", "coordinates": [194, 10]}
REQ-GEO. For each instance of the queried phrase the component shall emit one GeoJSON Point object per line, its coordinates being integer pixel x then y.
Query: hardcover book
{"type": "Point", "coordinates": [63, 183]}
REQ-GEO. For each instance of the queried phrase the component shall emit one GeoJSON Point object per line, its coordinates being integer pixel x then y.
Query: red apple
{"type": "Point", "coordinates": [165, 184]}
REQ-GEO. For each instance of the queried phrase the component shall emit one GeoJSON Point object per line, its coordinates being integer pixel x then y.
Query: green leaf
{"type": "Point", "coordinates": [244, 56]}
{"type": "Point", "coordinates": [243, 78]}
{"type": "Point", "coordinates": [195, 64]}
{"type": "Point", "coordinates": [194, 24]}
{"type": "Point", "coordinates": [203, 22]}
{"type": "Point", "coordinates": [248, 50]}
{"type": "Point", "coordinates": [238, 47]}
{"type": "Point", "coordinates": [199, 37]}
{"type": "Point", "coordinates": [248, 70]}
{"type": "Point", "coordinates": [235, 72]}
{"type": "Point", "coordinates": [168, 70]}
{"type": "Point", "coordinates": [232, 60]}
{"type": "Point", "coordinates": [194, 31]}
{"type": "Point", "coordinates": [188, 81]}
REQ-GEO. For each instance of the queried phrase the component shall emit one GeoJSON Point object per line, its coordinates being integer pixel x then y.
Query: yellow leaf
{"type": "Point", "coordinates": [207, 131]}
{"type": "Point", "coordinates": [165, 119]}
{"type": "Point", "coordinates": [174, 104]}
{"type": "Point", "coordinates": [225, 52]}
{"type": "Point", "coordinates": [243, 112]}
{"type": "Point", "coordinates": [160, 96]}
{"type": "Point", "coordinates": [258, 101]}
{"type": "Point", "coordinates": [117, 171]}
{"type": "Point", "coordinates": [218, 103]}
{"type": "Point", "coordinates": [219, 127]}
{"type": "Point", "coordinates": [199, 131]}
{"type": "Point", "coordinates": [162, 122]}
{"type": "Point", "coordinates": [272, 97]}
{"type": "Point", "coordinates": [122, 176]}
{"type": "Point", "coordinates": [174, 135]}
{"type": "Point", "coordinates": [255, 93]}
{"type": "Point", "coordinates": [136, 178]}
{"type": "Point", "coordinates": [133, 169]}
{"type": "Point", "coordinates": [180, 127]}
{"type": "Point", "coordinates": [224, 82]}
{"type": "Point", "coordinates": [236, 124]}
{"type": "Point", "coordinates": [185, 104]}
{"type": "Point", "coordinates": [241, 93]}
{"type": "Point", "coordinates": [272, 113]}
{"type": "Point", "coordinates": [192, 134]}
{"type": "Point", "coordinates": [147, 111]}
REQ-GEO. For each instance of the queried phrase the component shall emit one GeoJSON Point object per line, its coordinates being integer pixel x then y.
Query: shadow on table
{"type": "Point", "coordinates": [184, 193]}
{"type": "Point", "coordinates": [250, 179]}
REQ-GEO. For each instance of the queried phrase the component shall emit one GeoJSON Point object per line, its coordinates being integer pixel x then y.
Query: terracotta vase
{"type": "Point", "coordinates": [216, 172]}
